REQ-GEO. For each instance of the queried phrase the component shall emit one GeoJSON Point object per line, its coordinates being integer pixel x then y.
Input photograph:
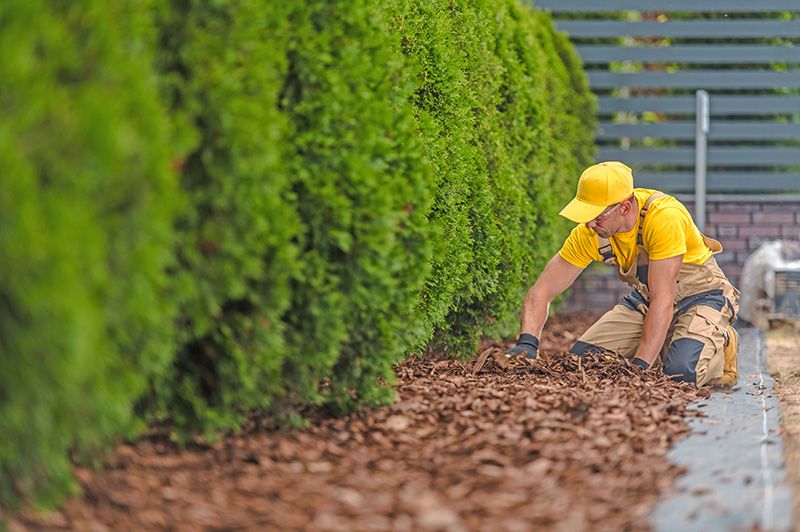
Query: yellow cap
{"type": "Point", "coordinates": [600, 185]}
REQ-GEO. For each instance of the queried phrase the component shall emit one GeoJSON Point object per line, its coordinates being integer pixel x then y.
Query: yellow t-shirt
{"type": "Point", "coordinates": [669, 231]}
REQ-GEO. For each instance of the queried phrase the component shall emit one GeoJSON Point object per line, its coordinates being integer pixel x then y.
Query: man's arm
{"type": "Point", "coordinates": [661, 280]}
{"type": "Point", "coordinates": [556, 277]}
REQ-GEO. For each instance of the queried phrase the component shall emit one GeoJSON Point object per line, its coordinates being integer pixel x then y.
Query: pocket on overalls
{"type": "Point", "coordinates": [707, 323]}
{"type": "Point", "coordinates": [706, 326]}
{"type": "Point", "coordinates": [693, 279]}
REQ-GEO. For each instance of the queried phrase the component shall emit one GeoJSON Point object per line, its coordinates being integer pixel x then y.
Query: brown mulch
{"type": "Point", "coordinates": [563, 444]}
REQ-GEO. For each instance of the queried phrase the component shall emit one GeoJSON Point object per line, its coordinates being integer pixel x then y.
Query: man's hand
{"type": "Point", "coordinates": [527, 345]}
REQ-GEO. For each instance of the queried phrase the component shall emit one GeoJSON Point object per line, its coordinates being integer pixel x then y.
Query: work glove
{"type": "Point", "coordinates": [527, 345]}
{"type": "Point", "coordinates": [641, 363]}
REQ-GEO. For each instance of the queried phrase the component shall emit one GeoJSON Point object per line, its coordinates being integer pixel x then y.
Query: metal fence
{"type": "Point", "coordinates": [652, 62]}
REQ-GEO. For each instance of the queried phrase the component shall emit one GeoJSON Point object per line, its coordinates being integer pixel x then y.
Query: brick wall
{"type": "Point", "coordinates": [741, 225]}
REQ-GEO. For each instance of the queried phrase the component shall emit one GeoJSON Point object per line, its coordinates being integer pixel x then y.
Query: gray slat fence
{"type": "Point", "coordinates": [646, 58]}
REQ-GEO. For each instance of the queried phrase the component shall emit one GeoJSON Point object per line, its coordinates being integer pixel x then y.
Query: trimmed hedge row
{"type": "Point", "coordinates": [511, 123]}
{"type": "Point", "coordinates": [493, 71]}
{"type": "Point", "coordinates": [222, 66]}
{"type": "Point", "coordinates": [315, 190]}
{"type": "Point", "coordinates": [339, 196]}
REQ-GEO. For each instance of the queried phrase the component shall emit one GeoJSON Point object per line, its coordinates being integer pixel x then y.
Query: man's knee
{"type": "Point", "coordinates": [582, 349]}
{"type": "Point", "coordinates": [682, 357]}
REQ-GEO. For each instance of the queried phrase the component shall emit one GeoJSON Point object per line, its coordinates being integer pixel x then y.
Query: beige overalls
{"type": "Point", "coordinates": [705, 305]}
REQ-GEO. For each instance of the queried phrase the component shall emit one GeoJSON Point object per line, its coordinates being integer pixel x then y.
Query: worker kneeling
{"type": "Point", "coordinates": [681, 308]}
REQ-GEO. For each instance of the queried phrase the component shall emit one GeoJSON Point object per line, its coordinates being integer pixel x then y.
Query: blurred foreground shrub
{"type": "Point", "coordinates": [86, 206]}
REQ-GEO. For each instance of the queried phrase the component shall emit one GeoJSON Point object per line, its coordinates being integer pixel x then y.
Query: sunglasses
{"type": "Point", "coordinates": [605, 214]}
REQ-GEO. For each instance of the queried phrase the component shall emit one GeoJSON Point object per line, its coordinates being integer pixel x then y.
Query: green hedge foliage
{"type": "Point", "coordinates": [362, 193]}
{"type": "Point", "coordinates": [222, 65]}
{"type": "Point", "coordinates": [86, 206]}
{"type": "Point", "coordinates": [509, 124]}
{"type": "Point", "coordinates": [305, 244]}
{"type": "Point", "coordinates": [409, 145]}
{"type": "Point", "coordinates": [266, 211]}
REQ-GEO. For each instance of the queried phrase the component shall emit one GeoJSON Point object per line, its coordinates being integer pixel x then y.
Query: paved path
{"type": "Point", "coordinates": [735, 476]}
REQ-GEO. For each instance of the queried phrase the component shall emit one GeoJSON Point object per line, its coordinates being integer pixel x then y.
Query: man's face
{"type": "Point", "coordinates": [607, 222]}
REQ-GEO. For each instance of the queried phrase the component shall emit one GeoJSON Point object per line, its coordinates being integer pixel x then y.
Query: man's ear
{"type": "Point", "coordinates": [628, 204]}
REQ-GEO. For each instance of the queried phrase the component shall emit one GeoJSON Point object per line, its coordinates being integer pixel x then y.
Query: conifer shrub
{"type": "Point", "coordinates": [361, 184]}
{"type": "Point", "coordinates": [508, 121]}
{"type": "Point", "coordinates": [222, 66]}
{"type": "Point", "coordinates": [361, 179]}
{"type": "Point", "coordinates": [305, 242]}
{"type": "Point", "coordinates": [86, 205]}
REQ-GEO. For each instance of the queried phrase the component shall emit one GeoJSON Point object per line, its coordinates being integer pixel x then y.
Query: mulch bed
{"type": "Point", "coordinates": [563, 443]}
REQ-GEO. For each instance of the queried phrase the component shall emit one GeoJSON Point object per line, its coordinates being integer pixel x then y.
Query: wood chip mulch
{"type": "Point", "coordinates": [563, 444]}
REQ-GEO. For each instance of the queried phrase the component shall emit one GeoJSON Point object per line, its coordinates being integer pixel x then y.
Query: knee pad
{"type": "Point", "coordinates": [682, 359]}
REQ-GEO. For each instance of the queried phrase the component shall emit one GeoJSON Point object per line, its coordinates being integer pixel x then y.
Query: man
{"type": "Point", "coordinates": [680, 310]}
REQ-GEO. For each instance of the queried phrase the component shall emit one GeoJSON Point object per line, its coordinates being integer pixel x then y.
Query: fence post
{"type": "Point", "coordinates": [702, 126]}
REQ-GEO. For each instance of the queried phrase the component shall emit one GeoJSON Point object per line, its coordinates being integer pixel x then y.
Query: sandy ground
{"type": "Point", "coordinates": [783, 352]}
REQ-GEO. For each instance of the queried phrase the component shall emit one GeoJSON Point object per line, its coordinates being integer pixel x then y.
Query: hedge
{"type": "Point", "coordinates": [222, 66]}
{"type": "Point", "coordinates": [411, 184]}
{"type": "Point", "coordinates": [302, 145]}
{"type": "Point", "coordinates": [86, 205]}
{"type": "Point", "coordinates": [362, 188]}
{"type": "Point", "coordinates": [513, 123]}
{"type": "Point", "coordinates": [313, 191]}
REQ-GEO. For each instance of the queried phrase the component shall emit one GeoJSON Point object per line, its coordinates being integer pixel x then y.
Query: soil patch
{"type": "Point", "coordinates": [783, 358]}
{"type": "Point", "coordinates": [563, 444]}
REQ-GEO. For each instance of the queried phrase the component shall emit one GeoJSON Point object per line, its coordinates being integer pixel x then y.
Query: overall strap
{"type": "Point", "coordinates": [604, 248]}
{"type": "Point", "coordinates": [604, 244]}
{"type": "Point", "coordinates": [643, 212]}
